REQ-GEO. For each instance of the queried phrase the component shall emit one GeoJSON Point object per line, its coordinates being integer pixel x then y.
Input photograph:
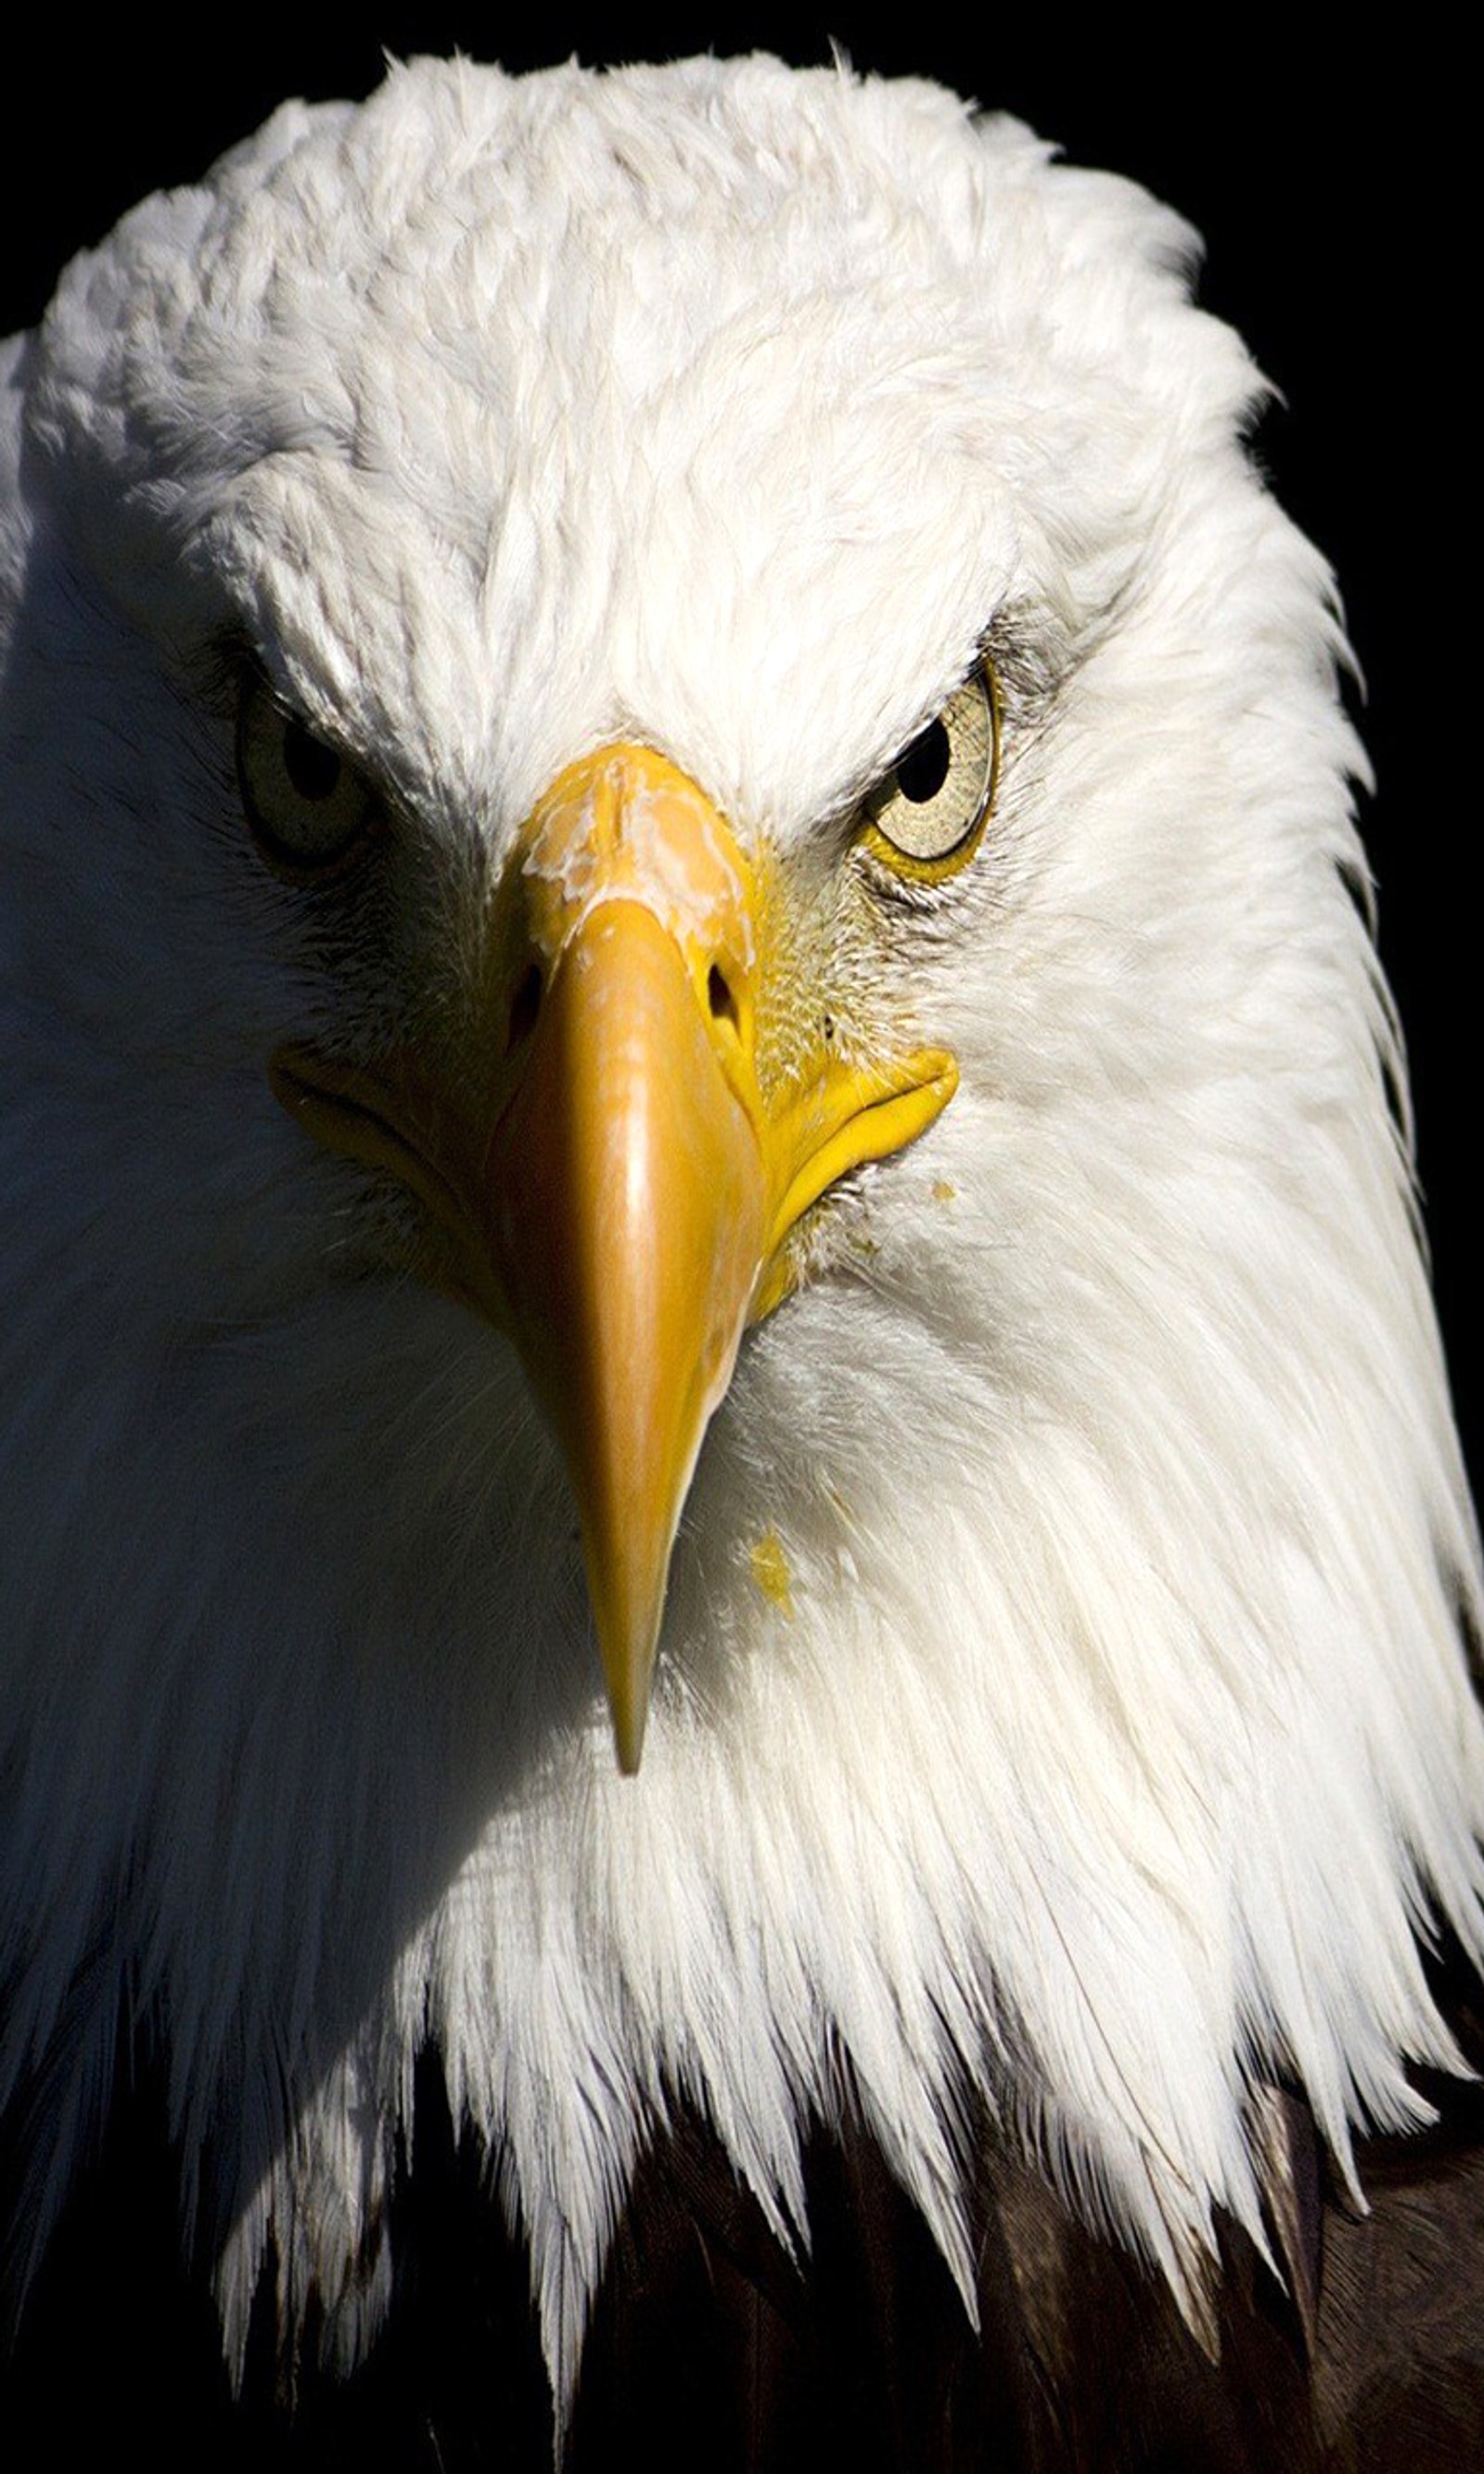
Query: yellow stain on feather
{"type": "Point", "coordinates": [942, 1191]}
{"type": "Point", "coordinates": [771, 1573]}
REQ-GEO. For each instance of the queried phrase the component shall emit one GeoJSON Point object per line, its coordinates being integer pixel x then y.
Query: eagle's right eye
{"type": "Point", "coordinates": [309, 807]}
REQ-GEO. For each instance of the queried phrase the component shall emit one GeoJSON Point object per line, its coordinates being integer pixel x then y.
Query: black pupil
{"type": "Point", "coordinates": [312, 767]}
{"type": "Point", "coordinates": [923, 770]}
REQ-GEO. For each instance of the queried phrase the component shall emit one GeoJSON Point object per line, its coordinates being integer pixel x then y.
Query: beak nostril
{"type": "Point", "coordinates": [525, 1005]}
{"type": "Point", "coordinates": [719, 991]}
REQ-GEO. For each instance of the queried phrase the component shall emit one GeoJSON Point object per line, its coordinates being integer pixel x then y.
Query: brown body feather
{"type": "Point", "coordinates": [712, 2348]}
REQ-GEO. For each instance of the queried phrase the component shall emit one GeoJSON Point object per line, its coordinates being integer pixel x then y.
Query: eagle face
{"type": "Point", "coordinates": [685, 1044]}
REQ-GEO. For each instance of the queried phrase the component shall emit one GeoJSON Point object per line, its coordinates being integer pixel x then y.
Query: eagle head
{"type": "Point", "coordinates": [689, 1064]}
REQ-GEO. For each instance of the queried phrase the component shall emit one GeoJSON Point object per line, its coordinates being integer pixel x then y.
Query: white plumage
{"type": "Point", "coordinates": [1060, 1674]}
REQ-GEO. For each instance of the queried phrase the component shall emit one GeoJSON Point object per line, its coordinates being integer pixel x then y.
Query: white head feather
{"type": "Point", "coordinates": [1114, 1737]}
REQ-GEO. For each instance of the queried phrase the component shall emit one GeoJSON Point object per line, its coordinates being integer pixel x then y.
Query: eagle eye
{"type": "Point", "coordinates": [925, 819]}
{"type": "Point", "coordinates": [308, 807]}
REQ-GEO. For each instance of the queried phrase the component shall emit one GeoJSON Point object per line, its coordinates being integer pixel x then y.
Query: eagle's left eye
{"type": "Point", "coordinates": [925, 819]}
{"type": "Point", "coordinates": [307, 805]}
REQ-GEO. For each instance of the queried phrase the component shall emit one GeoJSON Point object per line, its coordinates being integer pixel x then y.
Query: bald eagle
{"type": "Point", "coordinates": [735, 1706]}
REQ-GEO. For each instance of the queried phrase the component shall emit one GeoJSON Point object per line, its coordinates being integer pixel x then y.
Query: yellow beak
{"type": "Point", "coordinates": [617, 1191]}
{"type": "Point", "coordinates": [628, 1239]}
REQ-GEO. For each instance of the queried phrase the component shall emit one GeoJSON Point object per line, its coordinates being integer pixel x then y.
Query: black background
{"type": "Point", "coordinates": [1320, 180]}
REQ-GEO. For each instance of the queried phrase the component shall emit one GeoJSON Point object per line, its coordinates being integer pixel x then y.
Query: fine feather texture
{"type": "Point", "coordinates": [1113, 1743]}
